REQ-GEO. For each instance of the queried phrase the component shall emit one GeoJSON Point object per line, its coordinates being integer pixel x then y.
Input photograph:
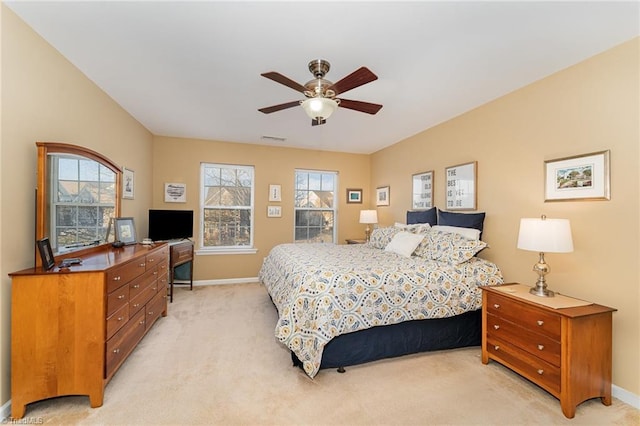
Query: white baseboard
{"type": "Point", "coordinates": [625, 396]}
{"type": "Point", "coordinates": [5, 411]}
{"type": "Point", "coordinates": [224, 281]}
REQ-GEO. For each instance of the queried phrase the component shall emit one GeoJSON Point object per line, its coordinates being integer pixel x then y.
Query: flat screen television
{"type": "Point", "coordinates": [170, 224]}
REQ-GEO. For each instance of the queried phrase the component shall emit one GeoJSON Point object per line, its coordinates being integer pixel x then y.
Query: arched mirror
{"type": "Point", "coordinates": [78, 193]}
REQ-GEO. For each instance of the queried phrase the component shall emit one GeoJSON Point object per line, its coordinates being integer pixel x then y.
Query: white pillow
{"type": "Point", "coordinates": [470, 233]}
{"type": "Point", "coordinates": [404, 243]}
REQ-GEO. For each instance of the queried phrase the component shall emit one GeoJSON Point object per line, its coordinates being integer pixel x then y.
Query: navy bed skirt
{"type": "Point", "coordinates": [401, 339]}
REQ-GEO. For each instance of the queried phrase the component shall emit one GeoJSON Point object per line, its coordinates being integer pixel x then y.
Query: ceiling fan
{"type": "Point", "coordinates": [322, 94]}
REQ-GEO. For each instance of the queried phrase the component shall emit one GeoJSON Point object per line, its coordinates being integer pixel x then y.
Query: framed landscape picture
{"type": "Point", "coordinates": [354, 196]}
{"type": "Point", "coordinates": [581, 177]}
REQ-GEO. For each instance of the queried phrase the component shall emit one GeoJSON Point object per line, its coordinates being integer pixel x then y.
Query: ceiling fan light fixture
{"type": "Point", "coordinates": [319, 108]}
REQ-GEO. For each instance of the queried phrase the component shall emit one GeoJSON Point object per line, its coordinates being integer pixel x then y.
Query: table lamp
{"type": "Point", "coordinates": [544, 235]}
{"type": "Point", "coordinates": [368, 217]}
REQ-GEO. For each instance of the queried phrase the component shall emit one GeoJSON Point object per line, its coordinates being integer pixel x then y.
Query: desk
{"type": "Point", "coordinates": [180, 252]}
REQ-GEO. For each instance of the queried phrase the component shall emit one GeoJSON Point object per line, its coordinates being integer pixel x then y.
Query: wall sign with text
{"type": "Point", "coordinates": [462, 186]}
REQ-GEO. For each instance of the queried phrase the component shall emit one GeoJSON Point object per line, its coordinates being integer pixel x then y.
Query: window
{"type": "Point", "coordinates": [83, 198]}
{"type": "Point", "coordinates": [315, 207]}
{"type": "Point", "coordinates": [226, 207]}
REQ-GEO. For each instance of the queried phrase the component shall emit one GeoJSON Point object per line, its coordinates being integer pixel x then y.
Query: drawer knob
{"type": "Point", "coordinates": [136, 305]}
{"type": "Point", "coordinates": [151, 260]}
{"type": "Point", "coordinates": [116, 278]}
{"type": "Point", "coordinates": [540, 371]}
{"type": "Point", "coordinates": [116, 351]}
{"type": "Point", "coordinates": [136, 286]}
{"type": "Point", "coordinates": [141, 322]}
{"type": "Point", "coordinates": [121, 296]}
{"type": "Point", "coordinates": [540, 322]}
{"type": "Point", "coordinates": [142, 265]}
{"type": "Point", "coordinates": [496, 305]}
{"type": "Point", "coordinates": [150, 312]}
{"type": "Point", "coordinates": [496, 326]}
{"type": "Point", "coordinates": [540, 347]}
{"type": "Point", "coordinates": [155, 272]}
{"type": "Point", "coordinates": [496, 347]}
{"type": "Point", "coordinates": [120, 318]}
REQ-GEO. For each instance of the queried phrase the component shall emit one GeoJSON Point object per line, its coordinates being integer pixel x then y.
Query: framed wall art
{"type": "Point", "coordinates": [462, 186]}
{"type": "Point", "coordinates": [581, 177]}
{"type": "Point", "coordinates": [46, 254]}
{"type": "Point", "coordinates": [127, 183]}
{"type": "Point", "coordinates": [354, 196]}
{"type": "Point", "coordinates": [422, 191]}
{"type": "Point", "coordinates": [383, 196]}
{"type": "Point", "coordinates": [274, 211]}
{"type": "Point", "coordinates": [175, 193]}
{"type": "Point", "coordinates": [125, 230]}
{"type": "Point", "coordinates": [275, 193]}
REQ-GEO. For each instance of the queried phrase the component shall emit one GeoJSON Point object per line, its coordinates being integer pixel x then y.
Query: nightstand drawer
{"type": "Point", "coordinates": [534, 368]}
{"type": "Point", "coordinates": [524, 315]}
{"type": "Point", "coordinates": [536, 344]}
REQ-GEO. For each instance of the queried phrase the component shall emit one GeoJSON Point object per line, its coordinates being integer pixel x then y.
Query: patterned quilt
{"type": "Point", "coordinates": [324, 290]}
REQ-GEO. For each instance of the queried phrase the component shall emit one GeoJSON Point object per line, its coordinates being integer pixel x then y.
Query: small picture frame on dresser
{"type": "Point", "coordinates": [125, 230]}
{"type": "Point", "coordinates": [46, 254]}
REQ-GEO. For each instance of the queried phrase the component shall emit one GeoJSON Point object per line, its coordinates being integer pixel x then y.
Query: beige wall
{"type": "Point", "coordinates": [590, 107]}
{"type": "Point", "coordinates": [45, 98]}
{"type": "Point", "coordinates": [178, 160]}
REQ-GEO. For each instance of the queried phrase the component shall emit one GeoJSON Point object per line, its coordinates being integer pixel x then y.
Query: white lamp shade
{"type": "Point", "coordinates": [368, 216]}
{"type": "Point", "coordinates": [319, 108]}
{"type": "Point", "coordinates": [545, 235]}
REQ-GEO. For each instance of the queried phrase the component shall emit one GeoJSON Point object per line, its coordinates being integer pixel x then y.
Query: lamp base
{"type": "Point", "coordinates": [542, 292]}
{"type": "Point", "coordinates": [540, 289]}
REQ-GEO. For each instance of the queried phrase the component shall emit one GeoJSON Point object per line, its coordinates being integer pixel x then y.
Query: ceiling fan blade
{"type": "Point", "coordinates": [367, 107]}
{"type": "Point", "coordinates": [279, 78]}
{"type": "Point", "coordinates": [274, 108]}
{"type": "Point", "coordinates": [356, 79]}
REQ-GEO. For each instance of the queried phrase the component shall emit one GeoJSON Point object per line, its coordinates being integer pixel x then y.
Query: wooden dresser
{"type": "Point", "coordinates": [72, 328]}
{"type": "Point", "coordinates": [566, 351]}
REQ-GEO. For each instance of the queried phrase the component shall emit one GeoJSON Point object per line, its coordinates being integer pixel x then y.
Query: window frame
{"type": "Point", "coordinates": [248, 249]}
{"type": "Point", "coordinates": [334, 209]}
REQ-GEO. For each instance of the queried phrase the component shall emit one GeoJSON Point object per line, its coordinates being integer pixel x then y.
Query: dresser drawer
{"type": "Point", "coordinates": [163, 276]}
{"type": "Point", "coordinates": [154, 258]}
{"type": "Point", "coordinates": [181, 253]}
{"type": "Point", "coordinates": [119, 276]}
{"type": "Point", "coordinates": [144, 296]}
{"type": "Point", "coordinates": [139, 284]}
{"type": "Point", "coordinates": [535, 343]}
{"type": "Point", "coordinates": [524, 315]}
{"type": "Point", "coordinates": [119, 346]}
{"type": "Point", "coordinates": [532, 367]}
{"type": "Point", "coordinates": [117, 320]}
{"type": "Point", "coordinates": [117, 299]}
{"type": "Point", "coordinates": [154, 309]}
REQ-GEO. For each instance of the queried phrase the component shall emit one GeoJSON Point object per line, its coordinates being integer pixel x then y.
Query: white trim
{"type": "Point", "coordinates": [5, 411]}
{"type": "Point", "coordinates": [229, 250]}
{"type": "Point", "coordinates": [226, 281]}
{"type": "Point", "coordinates": [625, 396]}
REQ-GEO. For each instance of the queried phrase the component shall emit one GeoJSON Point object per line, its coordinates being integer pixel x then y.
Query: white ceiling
{"type": "Point", "coordinates": [192, 69]}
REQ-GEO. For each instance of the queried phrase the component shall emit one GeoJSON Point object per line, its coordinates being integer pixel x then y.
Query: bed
{"type": "Point", "coordinates": [341, 305]}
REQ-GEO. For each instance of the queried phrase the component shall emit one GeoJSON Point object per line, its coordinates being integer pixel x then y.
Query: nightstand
{"type": "Point", "coordinates": [356, 241]}
{"type": "Point", "coordinates": [561, 344]}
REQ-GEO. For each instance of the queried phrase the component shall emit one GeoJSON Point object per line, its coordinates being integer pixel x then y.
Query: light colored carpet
{"type": "Point", "coordinates": [214, 360]}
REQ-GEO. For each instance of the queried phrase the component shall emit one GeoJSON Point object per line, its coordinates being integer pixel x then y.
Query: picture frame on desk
{"type": "Point", "coordinates": [125, 230]}
{"type": "Point", "coordinates": [46, 254]}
